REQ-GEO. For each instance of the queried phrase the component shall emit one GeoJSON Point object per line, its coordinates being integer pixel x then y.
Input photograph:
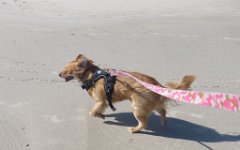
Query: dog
{"type": "Point", "coordinates": [143, 101]}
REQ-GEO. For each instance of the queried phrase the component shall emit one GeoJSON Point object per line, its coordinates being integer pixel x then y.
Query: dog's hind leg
{"type": "Point", "coordinates": [162, 112]}
{"type": "Point", "coordinates": [141, 114]}
{"type": "Point", "coordinates": [160, 107]}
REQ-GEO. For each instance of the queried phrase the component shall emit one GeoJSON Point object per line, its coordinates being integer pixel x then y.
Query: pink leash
{"type": "Point", "coordinates": [216, 100]}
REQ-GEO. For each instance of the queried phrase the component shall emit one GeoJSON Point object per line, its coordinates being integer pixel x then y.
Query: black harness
{"type": "Point", "coordinates": [109, 84]}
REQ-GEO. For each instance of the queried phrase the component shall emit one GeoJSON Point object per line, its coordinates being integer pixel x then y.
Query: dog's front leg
{"type": "Point", "coordinates": [98, 109]}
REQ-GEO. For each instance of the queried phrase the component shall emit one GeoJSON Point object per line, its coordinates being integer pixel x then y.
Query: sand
{"type": "Point", "coordinates": [165, 39]}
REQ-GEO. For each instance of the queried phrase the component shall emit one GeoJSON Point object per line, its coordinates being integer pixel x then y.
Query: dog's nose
{"type": "Point", "coordinates": [60, 74]}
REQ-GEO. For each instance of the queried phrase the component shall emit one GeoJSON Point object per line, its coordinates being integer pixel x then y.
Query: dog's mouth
{"type": "Point", "coordinates": [68, 78]}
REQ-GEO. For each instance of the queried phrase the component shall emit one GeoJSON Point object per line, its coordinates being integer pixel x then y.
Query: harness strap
{"type": "Point", "coordinates": [109, 84]}
{"type": "Point", "coordinates": [87, 84]}
{"type": "Point", "coordinates": [109, 87]}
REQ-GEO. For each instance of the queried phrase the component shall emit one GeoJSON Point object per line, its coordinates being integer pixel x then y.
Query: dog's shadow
{"type": "Point", "coordinates": [175, 128]}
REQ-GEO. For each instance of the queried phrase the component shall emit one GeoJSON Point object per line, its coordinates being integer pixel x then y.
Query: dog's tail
{"type": "Point", "coordinates": [184, 84]}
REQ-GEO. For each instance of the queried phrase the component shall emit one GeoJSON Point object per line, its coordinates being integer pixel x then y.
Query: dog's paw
{"type": "Point", "coordinates": [91, 114]}
{"type": "Point", "coordinates": [101, 116]}
{"type": "Point", "coordinates": [133, 130]}
{"type": "Point", "coordinates": [163, 123]}
{"type": "Point", "coordinates": [96, 115]}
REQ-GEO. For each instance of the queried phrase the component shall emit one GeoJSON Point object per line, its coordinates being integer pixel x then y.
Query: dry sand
{"type": "Point", "coordinates": [165, 39]}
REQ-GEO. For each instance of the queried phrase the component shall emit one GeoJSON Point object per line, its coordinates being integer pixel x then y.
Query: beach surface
{"type": "Point", "coordinates": [162, 38]}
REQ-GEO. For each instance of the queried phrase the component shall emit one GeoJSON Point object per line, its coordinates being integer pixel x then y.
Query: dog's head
{"type": "Point", "coordinates": [76, 69]}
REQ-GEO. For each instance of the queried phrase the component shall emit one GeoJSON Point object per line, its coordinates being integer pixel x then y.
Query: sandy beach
{"type": "Point", "coordinates": [162, 38]}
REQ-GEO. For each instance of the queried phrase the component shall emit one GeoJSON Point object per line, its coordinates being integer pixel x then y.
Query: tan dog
{"type": "Point", "coordinates": [143, 100]}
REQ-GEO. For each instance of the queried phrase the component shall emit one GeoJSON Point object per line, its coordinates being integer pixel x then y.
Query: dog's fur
{"type": "Point", "coordinates": [143, 100]}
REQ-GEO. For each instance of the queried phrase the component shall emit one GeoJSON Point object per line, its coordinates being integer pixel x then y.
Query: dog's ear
{"type": "Point", "coordinates": [79, 56]}
{"type": "Point", "coordinates": [84, 63]}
